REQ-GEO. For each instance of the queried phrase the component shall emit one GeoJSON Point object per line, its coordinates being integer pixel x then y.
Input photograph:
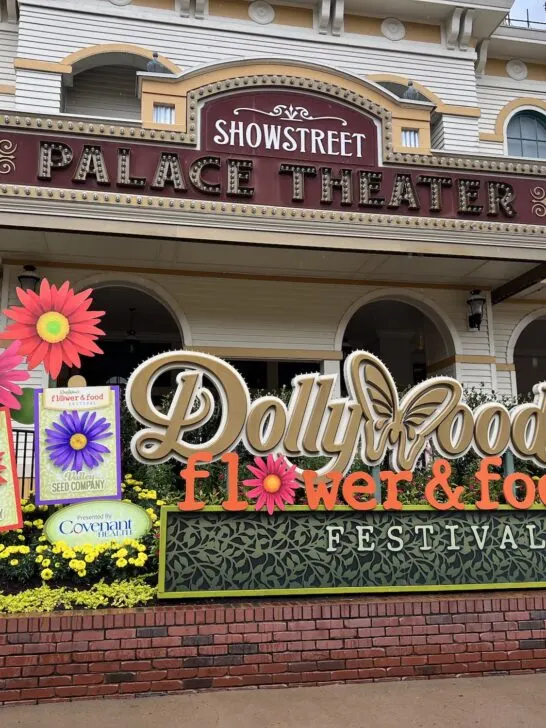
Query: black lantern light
{"type": "Point", "coordinates": [475, 304]}
{"type": "Point", "coordinates": [29, 280]}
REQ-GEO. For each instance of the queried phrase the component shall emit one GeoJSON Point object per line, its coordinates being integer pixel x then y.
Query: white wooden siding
{"type": "Point", "coordinates": [7, 102]}
{"type": "Point", "coordinates": [494, 93]}
{"type": "Point", "coordinates": [107, 92]}
{"type": "Point", "coordinates": [460, 134]}
{"type": "Point", "coordinates": [38, 92]}
{"type": "Point", "coordinates": [437, 140]}
{"type": "Point", "coordinates": [8, 51]}
{"type": "Point", "coordinates": [190, 43]}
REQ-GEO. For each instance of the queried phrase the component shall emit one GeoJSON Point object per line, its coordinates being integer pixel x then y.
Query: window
{"type": "Point", "coordinates": [163, 114]}
{"type": "Point", "coordinates": [527, 135]}
{"type": "Point", "coordinates": [410, 137]}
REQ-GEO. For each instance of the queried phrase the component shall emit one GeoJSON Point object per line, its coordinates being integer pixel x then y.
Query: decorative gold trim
{"type": "Point", "coordinates": [7, 156]}
{"type": "Point", "coordinates": [7, 89]}
{"type": "Point", "coordinates": [538, 201]}
{"type": "Point", "coordinates": [441, 107]}
{"type": "Point", "coordinates": [30, 64]}
{"type": "Point", "coordinates": [417, 32]}
{"type": "Point", "coordinates": [65, 66]}
{"type": "Point", "coordinates": [460, 359]}
{"type": "Point", "coordinates": [264, 211]}
{"type": "Point", "coordinates": [474, 359]}
{"type": "Point", "coordinates": [442, 364]}
{"type": "Point", "coordinates": [505, 112]}
{"type": "Point", "coordinates": [502, 367]}
{"type": "Point", "coordinates": [497, 67]}
{"type": "Point", "coordinates": [242, 352]}
{"type": "Point", "coordinates": [313, 280]}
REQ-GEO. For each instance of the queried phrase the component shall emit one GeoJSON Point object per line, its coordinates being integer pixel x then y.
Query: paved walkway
{"type": "Point", "coordinates": [493, 702]}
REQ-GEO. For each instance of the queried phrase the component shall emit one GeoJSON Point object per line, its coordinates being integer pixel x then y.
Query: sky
{"type": "Point", "coordinates": [535, 7]}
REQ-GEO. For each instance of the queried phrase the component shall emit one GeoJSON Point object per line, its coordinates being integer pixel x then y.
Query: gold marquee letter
{"type": "Point", "coordinates": [192, 407]}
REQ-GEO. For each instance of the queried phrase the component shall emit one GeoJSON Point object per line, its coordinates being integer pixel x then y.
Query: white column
{"type": "Point", "coordinates": [333, 366]}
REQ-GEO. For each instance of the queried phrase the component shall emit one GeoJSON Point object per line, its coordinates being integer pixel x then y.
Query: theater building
{"type": "Point", "coordinates": [283, 183]}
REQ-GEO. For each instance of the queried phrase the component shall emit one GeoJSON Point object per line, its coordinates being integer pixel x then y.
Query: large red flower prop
{"type": "Point", "coordinates": [274, 484]}
{"type": "Point", "coordinates": [9, 376]}
{"type": "Point", "coordinates": [55, 326]}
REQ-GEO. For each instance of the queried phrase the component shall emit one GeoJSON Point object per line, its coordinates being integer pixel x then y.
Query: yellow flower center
{"type": "Point", "coordinates": [52, 327]}
{"type": "Point", "coordinates": [78, 442]}
{"type": "Point", "coordinates": [272, 483]}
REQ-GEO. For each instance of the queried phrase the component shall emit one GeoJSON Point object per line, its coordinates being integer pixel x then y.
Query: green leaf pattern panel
{"type": "Point", "coordinates": [225, 552]}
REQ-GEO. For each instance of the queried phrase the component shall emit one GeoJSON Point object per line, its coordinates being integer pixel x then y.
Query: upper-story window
{"type": "Point", "coordinates": [527, 135]}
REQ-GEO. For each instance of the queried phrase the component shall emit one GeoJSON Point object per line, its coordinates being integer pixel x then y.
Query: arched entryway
{"type": "Point", "coordinates": [137, 326]}
{"type": "Point", "coordinates": [405, 336]}
{"type": "Point", "coordinates": [530, 355]}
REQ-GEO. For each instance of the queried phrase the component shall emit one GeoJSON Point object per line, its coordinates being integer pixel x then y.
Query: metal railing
{"type": "Point", "coordinates": [526, 22]}
{"type": "Point", "coordinates": [24, 455]}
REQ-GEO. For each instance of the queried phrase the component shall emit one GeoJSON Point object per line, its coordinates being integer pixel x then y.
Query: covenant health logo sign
{"type": "Point", "coordinates": [343, 538]}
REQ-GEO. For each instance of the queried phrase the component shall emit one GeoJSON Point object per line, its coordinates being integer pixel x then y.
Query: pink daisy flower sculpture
{"type": "Point", "coordinates": [9, 376]}
{"type": "Point", "coordinates": [274, 484]}
{"type": "Point", "coordinates": [55, 326]}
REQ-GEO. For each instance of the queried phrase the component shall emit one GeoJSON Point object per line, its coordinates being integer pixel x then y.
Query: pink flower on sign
{"type": "Point", "coordinates": [274, 484]}
{"type": "Point", "coordinates": [10, 377]}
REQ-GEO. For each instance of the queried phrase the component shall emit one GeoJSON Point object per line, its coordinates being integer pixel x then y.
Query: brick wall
{"type": "Point", "coordinates": [188, 647]}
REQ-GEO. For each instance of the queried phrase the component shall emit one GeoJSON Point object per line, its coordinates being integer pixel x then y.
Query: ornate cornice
{"type": "Point", "coordinates": [219, 211]}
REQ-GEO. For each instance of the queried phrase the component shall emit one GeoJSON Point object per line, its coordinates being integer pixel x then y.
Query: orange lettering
{"type": "Point", "coordinates": [233, 503]}
{"type": "Point", "coordinates": [510, 496]}
{"type": "Point", "coordinates": [483, 476]}
{"type": "Point", "coordinates": [318, 493]}
{"type": "Point", "coordinates": [190, 474]}
{"type": "Point", "coordinates": [350, 489]}
{"type": "Point", "coordinates": [391, 502]}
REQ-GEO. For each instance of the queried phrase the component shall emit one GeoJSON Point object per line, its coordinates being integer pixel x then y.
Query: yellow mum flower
{"type": "Point", "coordinates": [46, 562]}
{"type": "Point", "coordinates": [121, 563]}
{"type": "Point", "coordinates": [129, 475]}
{"type": "Point", "coordinates": [14, 562]}
{"type": "Point", "coordinates": [21, 538]}
{"type": "Point", "coordinates": [39, 559]}
{"type": "Point", "coordinates": [43, 538]}
{"type": "Point", "coordinates": [46, 574]}
{"type": "Point", "coordinates": [122, 553]}
{"type": "Point", "coordinates": [82, 572]}
{"type": "Point", "coordinates": [141, 547]}
{"type": "Point", "coordinates": [89, 558]}
{"type": "Point", "coordinates": [161, 503]}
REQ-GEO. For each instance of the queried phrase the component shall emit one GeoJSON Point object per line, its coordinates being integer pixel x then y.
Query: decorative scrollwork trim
{"type": "Point", "coordinates": [7, 156]}
{"type": "Point", "coordinates": [538, 200]}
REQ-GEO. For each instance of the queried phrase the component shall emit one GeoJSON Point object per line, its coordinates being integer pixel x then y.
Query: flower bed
{"type": "Point", "coordinates": [36, 574]}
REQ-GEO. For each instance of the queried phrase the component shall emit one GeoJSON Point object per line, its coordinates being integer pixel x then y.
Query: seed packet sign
{"type": "Point", "coordinates": [77, 444]}
{"type": "Point", "coordinates": [10, 503]}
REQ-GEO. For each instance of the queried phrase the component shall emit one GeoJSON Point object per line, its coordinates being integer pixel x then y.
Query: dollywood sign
{"type": "Point", "coordinates": [343, 539]}
{"type": "Point", "coordinates": [371, 422]}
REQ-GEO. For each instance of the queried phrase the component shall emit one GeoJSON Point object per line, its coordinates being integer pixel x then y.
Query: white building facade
{"type": "Point", "coordinates": [283, 183]}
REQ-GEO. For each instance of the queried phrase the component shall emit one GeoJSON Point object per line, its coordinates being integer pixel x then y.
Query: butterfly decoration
{"type": "Point", "coordinates": [401, 426]}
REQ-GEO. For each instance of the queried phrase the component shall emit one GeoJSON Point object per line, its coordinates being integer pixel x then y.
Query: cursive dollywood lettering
{"type": "Point", "coordinates": [372, 421]}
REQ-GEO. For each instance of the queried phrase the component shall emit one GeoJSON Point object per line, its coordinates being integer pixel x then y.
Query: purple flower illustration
{"type": "Point", "coordinates": [74, 442]}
